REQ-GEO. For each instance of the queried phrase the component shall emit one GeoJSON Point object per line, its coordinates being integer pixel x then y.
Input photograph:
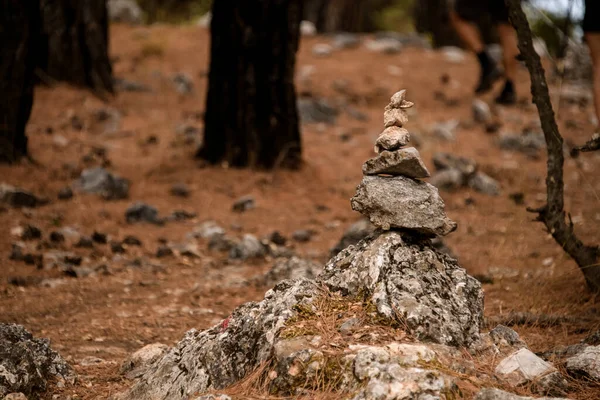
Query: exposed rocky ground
{"type": "Point", "coordinates": [117, 239]}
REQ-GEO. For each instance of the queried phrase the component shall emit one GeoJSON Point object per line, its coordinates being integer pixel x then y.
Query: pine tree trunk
{"type": "Point", "coordinates": [18, 31]}
{"type": "Point", "coordinates": [251, 115]}
{"type": "Point", "coordinates": [60, 40]}
{"type": "Point", "coordinates": [74, 43]}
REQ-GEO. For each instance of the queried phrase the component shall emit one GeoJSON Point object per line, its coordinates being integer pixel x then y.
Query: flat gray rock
{"type": "Point", "coordinates": [586, 363]}
{"type": "Point", "coordinates": [392, 138]}
{"type": "Point", "coordinates": [404, 162]}
{"type": "Point", "coordinates": [402, 203]}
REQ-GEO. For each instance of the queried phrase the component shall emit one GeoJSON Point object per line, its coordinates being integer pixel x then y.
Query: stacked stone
{"type": "Point", "coordinates": [391, 193]}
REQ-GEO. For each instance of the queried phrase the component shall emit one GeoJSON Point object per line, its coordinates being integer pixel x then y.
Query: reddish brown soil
{"type": "Point", "coordinates": [109, 316]}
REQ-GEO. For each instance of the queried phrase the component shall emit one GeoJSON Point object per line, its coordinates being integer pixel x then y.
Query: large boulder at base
{"type": "Point", "coordinates": [225, 353]}
{"type": "Point", "coordinates": [427, 290]}
{"type": "Point", "coordinates": [402, 203]}
{"type": "Point", "coordinates": [497, 394]}
{"type": "Point", "coordinates": [409, 283]}
{"type": "Point", "coordinates": [27, 363]}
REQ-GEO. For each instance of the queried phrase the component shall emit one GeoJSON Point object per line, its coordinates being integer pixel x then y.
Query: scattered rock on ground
{"type": "Point", "coordinates": [345, 40]}
{"type": "Point", "coordinates": [248, 247]}
{"type": "Point", "coordinates": [354, 234]}
{"type": "Point", "coordinates": [180, 190]}
{"type": "Point", "coordinates": [183, 83]}
{"type": "Point", "coordinates": [523, 366]}
{"type": "Point", "coordinates": [322, 50]}
{"type": "Point", "coordinates": [313, 110]}
{"type": "Point", "coordinates": [485, 184]}
{"type": "Point", "coordinates": [307, 28]}
{"type": "Point", "coordinates": [244, 203]}
{"type": "Point", "coordinates": [481, 111]}
{"type": "Point", "coordinates": [384, 45]}
{"type": "Point", "coordinates": [142, 212]}
{"type": "Point", "coordinates": [586, 363]}
{"type": "Point", "coordinates": [28, 364]}
{"type": "Point", "coordinates": [126, 85]}
{"type": "Point", "coordinates": [528, 143]}
{"type": "Point", "coordinates": [290, 268]}
{"type": "Point", "coordinates": [127, 11]}
{"type": "Point", "coordinates": [16, 197]}
{"type": "Point", "coordinates": [100, 181]}
{"type": "Point", "coordinates": [65, 193]}
{"type": "Point", "coordinates": [303, 235]}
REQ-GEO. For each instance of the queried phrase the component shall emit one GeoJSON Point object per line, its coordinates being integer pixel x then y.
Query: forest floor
{"type": "Point", "coordinates": [141, 299]}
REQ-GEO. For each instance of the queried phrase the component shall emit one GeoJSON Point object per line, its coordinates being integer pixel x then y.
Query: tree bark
{"type": "Point", "coordinates": [251, 115]}
{"type": "Point", "coordinates": [74, 43]}
{"type": "Point", "coordinates": [18, 38]}
{"type": "Point", "coordinates": [553, 213]}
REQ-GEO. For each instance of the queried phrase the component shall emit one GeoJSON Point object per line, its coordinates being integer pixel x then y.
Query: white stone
{"type": "Point", "coordinates": [523, 366]}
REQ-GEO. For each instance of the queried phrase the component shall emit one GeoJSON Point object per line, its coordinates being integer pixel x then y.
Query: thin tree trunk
{"type": "Point", "coordinates": [251, 115]}
{"type": "Point", "coordinates": [553, 213]}
{"type": "Point", "coordinates": [18, 38]}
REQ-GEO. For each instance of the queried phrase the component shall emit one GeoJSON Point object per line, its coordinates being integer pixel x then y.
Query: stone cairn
{"type": "Point", "coordinates": [391, 193]}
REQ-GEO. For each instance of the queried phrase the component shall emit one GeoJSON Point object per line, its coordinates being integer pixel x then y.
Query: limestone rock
{"type": "Point", "coordinates": [16, 197]}
{"type": "Point", "coordinates": [402, 203]}
{"type": "Point", "coordinates": [443, 161]}
{"type": "Point", "coordinates": [394, 117]}
{"type": "Point", "coordinates": [433, 295]}
{"type": "Point", "coordinates": [405, 162]}
{"type": "Point", "coordinates": [141, 360]}
{"type": "Point", "coordinates": [127, 11]}
{"type": "Point", "coordinates": [586, 363]}
{"type": "Point", "coordinates": [27, 363]}
{"type": "Point", "coordinates": [484, 183]}
{"type": "Point", "coordinates": [225, 353]}
{"type": "Point", "coordinates": [392, 138]}
{"type": "Point", "coordinates": [504, 337]}
{"type": "Point", "coordinates": [388, 374]}
{"type": "Point", "coordinates": [398, 100]}
{"type": "Point", "coordinates": [522, 367]}
{"type": "Point", "coordinates": [481, 111]}
{"type": "Point", "coordinates": [100, 181]}
{"type": "Point", "coordinates": [497, 394]}
{"type": "Point", "coordinates": [448, 179]}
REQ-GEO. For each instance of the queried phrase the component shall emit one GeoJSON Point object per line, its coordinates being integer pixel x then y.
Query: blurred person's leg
{"type": "Point", "coordinates": [510, 51]}
{"type": "Point", "coordinates": [466, 11]}
{"type": "Point", "coordinates": [591, 27]}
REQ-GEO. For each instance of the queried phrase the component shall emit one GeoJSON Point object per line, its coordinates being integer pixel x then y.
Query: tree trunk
{"type": "Point", "coordinates": [18, 38]}
{"type": "Point", "coordinates": [62, 40]}
{"type": "Point", "coordinates": [251, 116]}
{"type": "Point", "coordinates": [553, 213]}
{"type": "Point", "coordinates": [74, 43]}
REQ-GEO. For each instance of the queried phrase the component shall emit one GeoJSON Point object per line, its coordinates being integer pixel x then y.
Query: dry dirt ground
{"type": "Point", "coordinates": [110, 315]}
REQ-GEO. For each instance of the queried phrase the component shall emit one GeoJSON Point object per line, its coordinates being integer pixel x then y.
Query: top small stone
{"type": "Point", "coordinates": [398, 100]}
